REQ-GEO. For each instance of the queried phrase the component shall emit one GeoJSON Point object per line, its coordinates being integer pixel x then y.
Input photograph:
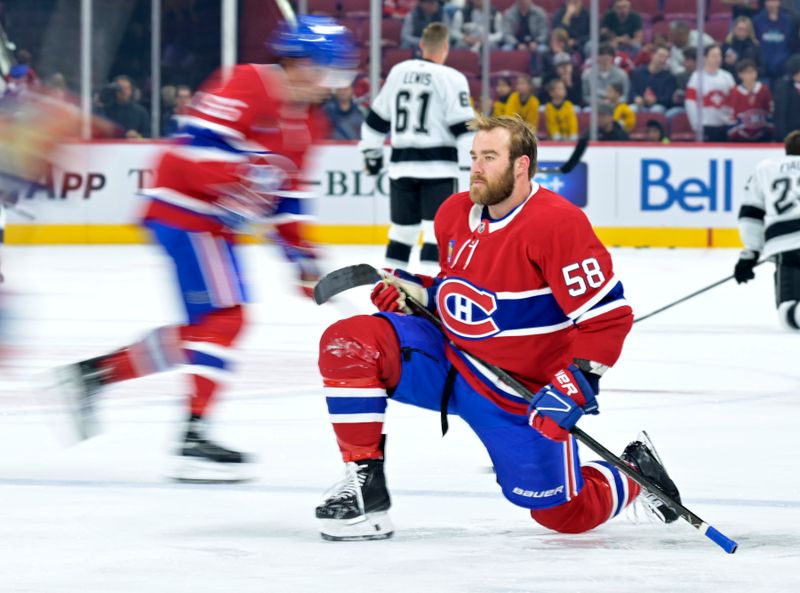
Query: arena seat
{"type": "Point", "coordinates": [517, 60]}
{"type": "Point", "coordinates": [639, 131]}
{"type": "Point", "coordinates": [679, 128]}
{"type": "Point", "coordinates": [465, 61]}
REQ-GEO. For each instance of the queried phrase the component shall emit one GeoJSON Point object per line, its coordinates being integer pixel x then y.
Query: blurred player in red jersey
{"type": "Point", "coordinates": [526, 285]}
{"type": "Point", "coordinates": [245, 141]}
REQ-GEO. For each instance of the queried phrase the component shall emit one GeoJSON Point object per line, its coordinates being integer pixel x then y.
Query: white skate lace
{"type": "Point", "coordinates": [348, 486]}
{"type": "Point", "coordinates": [645, 509]}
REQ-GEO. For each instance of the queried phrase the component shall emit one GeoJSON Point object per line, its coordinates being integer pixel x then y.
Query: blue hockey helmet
{"type": "Point", "coordinates": [319, 38]}
{"type": "Point", "coordinates": [322, 40]}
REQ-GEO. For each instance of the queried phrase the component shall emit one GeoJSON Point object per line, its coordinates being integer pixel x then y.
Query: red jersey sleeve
{"type": "Point", "coordinates": [578, 269]}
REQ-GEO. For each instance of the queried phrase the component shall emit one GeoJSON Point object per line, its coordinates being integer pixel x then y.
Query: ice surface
{"type": "Point", "coordinates": [714, 380]}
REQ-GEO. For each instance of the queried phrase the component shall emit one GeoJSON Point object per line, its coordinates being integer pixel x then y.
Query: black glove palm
{"type": "Point", "coordinates": [373, 161]}
{"type": "Point", "coordinates": [743, 271]}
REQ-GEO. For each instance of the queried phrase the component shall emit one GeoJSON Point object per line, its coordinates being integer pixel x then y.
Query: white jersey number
{"type": "Point", "coordinates": [574, 276]}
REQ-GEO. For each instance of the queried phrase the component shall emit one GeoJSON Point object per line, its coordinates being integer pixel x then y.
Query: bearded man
{"type": "Point", "coordinates": [525, 285]}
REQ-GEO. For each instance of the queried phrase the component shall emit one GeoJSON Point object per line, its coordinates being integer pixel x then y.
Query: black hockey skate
{"type": "Point", "coordinates": [201, 460]}
{"type": "Point", "coordinates": [356, 508]}
{"type": "Point", "coordinates": [78, 385]}
{"type": "Point", "coordinates": [642, 455]}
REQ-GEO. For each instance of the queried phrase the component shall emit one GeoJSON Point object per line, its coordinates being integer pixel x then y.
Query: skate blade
{"type": "Point", "coordinates": [372, 526]}
{"type": "Point", "coordinates": [645, 438]}
{"type": "Point", "coordinates": [75, 422]}
{"type": "Point", "coordinates": [203, 471]}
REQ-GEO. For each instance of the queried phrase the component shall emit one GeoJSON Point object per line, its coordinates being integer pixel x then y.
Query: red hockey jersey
{"type": "Point", "coordinates": [529, 292]}
{"type": "Point", "coordinates": [240, 128]}
{"type": "Point", "coordinates": [751, 112]}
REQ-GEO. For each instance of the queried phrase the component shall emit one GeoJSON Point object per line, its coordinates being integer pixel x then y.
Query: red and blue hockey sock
{"type": "Point", "coordinates": [359, 359]}
{"type": "Point", "coordinates": [606, 491]}
{"type": "Point", "coordinates": [200, 349]}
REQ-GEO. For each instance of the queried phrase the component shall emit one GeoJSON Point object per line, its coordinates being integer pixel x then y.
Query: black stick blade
{"type": "Point", "coordinates": [344, 279]}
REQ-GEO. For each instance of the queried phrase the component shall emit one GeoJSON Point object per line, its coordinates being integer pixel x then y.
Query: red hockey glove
{"type": "Point", "coordinates": [389, 295]}
{"type": "Point", "coordinates": [557, 407]}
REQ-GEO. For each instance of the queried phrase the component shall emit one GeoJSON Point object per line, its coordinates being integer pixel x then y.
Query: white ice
{"type": "Point", "coordinates": [715, 381]}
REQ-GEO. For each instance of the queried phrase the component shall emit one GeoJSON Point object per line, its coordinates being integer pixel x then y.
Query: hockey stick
{"type": "Point", "coordinates": [572, 161]}
{"type": "Point", "coordinates": [568, 165]}
{"type": "Point", "coordinates": [689, 296]}
{"type": "Point", "coordinates": [361, 274]}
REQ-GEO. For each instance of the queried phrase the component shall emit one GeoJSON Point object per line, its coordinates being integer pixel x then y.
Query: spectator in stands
{"type": "Point", "coordinates": [470, 37]}
{"type": "Point", "coordinates": [180, 107]}
{"type": "Point", "coordinates": [608, 74]}
{"type": "Point", "coordinates": [344, 115]}
{"type": "Point", "coordinates": [398, 9]}
{"type": "Point", "coordinates": [682, 80]}
{"type": "Point", "coordinates": [523, 101]}
{"type": "Point", "coordinates": [787, 99]}
{"type": "Point", "coordinates": [776, 31]}
{"type": "Point", "coordinates": [751, 103]}
{"type": "Point", "coordinates": [747, 8]}
{"type": "Point", "coordinates": [502, 93]}
{"type": "Point", "coordinates": [120, 107]}
{"type": "Point", "coordinates": [566, 72]}
{"type": "Point", "coordinates": [717, 86]}
{"type": "Point", "coordinates": [622, 111]}
{"type": "Point", "coordinates": [681, 38]}
{"type": "Point", "coordinates": [425, 13]}
{"type": "Point", "coordinates": [524, 26]}
{"type": "Point", "coordinates": [741, 44]}
{"type": "Point", "coordinates": [609, 130]}
{"type": "Point", "coordinates": [559, 112]}
{"type": "Point", "coordinates": [625, 24]}
{"type": "Point", "coordinates": [574, 19]}
{"type": "Point", "coordinates": [557, 43]}
{"type": "Point", "coordinates": [654, 132]}
{"type": "Point", "coordinates": [472, 12]}
{"type": "Point", "coordinates": [653, 86]}
{"type": "Point", "coordinates": [24, 58]}
{"type": "Point", "coordinates": [622, 58]}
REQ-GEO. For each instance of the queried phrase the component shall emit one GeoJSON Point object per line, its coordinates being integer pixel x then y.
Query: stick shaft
{"type": "Point", "coordinates": [690, 296]}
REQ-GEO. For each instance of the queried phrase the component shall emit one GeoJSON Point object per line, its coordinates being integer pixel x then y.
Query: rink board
{"type": "Point", "coordinates": [639, 195]}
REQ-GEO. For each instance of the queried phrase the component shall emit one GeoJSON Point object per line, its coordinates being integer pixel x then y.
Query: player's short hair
{"type": "Point", "coordinates": [434, 37]}
{"type": "Point", "coordinates": [792, 143]}
{"type": "Point", "coordinates": [523, 138]}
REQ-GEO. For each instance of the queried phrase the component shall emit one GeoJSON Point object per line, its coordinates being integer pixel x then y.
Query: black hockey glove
{"type": "Point", "coordinates": [744, 267]}
{"type": "Point", "coordinates": [373, 161]}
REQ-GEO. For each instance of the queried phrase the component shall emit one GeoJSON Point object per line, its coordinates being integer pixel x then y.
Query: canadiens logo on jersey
{"type": "Point", "coordinates": [466, 310]}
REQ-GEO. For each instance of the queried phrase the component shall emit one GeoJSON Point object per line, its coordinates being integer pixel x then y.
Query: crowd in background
{"type": "Point", "coordinates": [647, 85]}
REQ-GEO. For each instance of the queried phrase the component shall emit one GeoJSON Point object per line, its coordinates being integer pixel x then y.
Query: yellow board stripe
{"type": "Point", "coordinates": [60, 234]}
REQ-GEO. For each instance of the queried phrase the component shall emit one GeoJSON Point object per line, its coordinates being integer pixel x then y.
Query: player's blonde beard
{"type": "Point", "coordinates": [491, 193]}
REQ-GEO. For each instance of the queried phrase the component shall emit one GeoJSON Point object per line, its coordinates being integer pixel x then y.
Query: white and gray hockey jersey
{"type": "Point", "coordinates": [425, 108]}
{"type": "Point", "coordinates": [769, 219]}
